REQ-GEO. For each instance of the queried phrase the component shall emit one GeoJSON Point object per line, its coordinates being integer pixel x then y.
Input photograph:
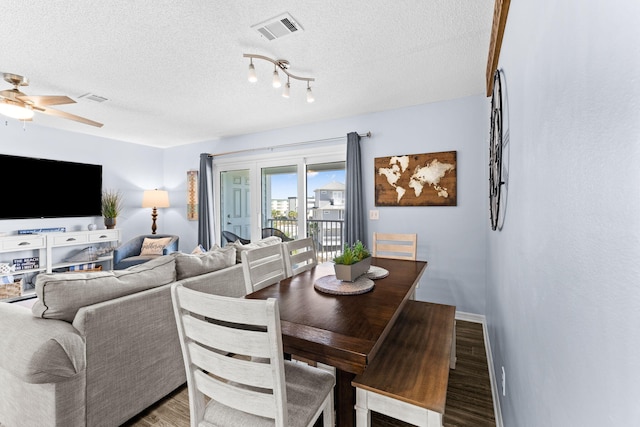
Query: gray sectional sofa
{"type": "Point", "coordinates": [98, 348]}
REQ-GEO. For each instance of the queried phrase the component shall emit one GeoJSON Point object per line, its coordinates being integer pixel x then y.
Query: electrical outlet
{"type": "Point", "coordinates": [504, 383]}
{"type": "Point", "coordinates": [374, 214]}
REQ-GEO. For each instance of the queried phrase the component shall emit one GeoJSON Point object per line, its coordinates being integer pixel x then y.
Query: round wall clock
{"type": "Point", "coordinates": [495, 150]}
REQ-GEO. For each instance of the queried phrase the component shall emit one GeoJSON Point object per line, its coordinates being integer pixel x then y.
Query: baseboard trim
{"type": "Point", "coordinates": [495, 394]}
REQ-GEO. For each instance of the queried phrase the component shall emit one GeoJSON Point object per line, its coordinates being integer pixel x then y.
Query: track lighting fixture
{"type": "Point", "coordinates": [282, 65]}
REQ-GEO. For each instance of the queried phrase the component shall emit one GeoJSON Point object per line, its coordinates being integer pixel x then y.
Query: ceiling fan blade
{"type": "Point", "coordinates": [69, 116]}
{"type": "Point", "coordinates": [46, 99]}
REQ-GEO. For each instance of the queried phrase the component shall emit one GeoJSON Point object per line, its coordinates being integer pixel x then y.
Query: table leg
{"type": "Point", "coordinates": [345, 399]}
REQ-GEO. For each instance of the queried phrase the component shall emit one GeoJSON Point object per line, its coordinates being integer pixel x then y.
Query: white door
{"type": "Point", "coordinates": [235, 202]}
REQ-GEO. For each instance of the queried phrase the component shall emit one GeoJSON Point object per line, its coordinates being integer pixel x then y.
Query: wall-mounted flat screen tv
{"type": "Point", "coordinates": [44, 188]}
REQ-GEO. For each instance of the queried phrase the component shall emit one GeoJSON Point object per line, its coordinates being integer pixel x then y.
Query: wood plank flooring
{"type": "Point", "coordinates": [469, 399]}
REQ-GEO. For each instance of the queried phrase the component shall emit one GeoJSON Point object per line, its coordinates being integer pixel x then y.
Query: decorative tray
{"type": "Point", "coordinates": [331, 285]}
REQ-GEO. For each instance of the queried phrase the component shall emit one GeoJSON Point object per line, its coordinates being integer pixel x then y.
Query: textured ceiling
{"type": "Point", "coordinates": [173, 71]}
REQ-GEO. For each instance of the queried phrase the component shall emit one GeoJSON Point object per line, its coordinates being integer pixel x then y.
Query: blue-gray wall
{"type": "Point", "coordinates": [563, 304]}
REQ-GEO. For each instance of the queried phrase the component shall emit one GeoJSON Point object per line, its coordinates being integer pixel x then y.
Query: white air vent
{"type": "Point", "coordinates": [93, 97]}
{"type": "Point", "coordinates": [278, 27]}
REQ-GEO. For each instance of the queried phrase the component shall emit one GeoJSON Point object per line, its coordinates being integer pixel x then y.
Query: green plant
{"type": "Point", "coordinates": [352, 254]}
{"type": "Point", "coordinates": [111, 203]}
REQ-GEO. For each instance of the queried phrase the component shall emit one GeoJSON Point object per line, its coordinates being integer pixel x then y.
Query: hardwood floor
{"type": "Point", "coordinates": [469, 399]}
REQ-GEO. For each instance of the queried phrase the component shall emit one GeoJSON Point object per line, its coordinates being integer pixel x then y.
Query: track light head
{"type": "Point", "coordinates": [310, 97]}
{"type": "Point", "coordinates": [252, 73]}
{"type": "Point", "coordinates": [276, 78]}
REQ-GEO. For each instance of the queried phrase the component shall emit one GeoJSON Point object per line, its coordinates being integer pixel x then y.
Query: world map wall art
{"type": "Point", "coordinates": [416, 180]}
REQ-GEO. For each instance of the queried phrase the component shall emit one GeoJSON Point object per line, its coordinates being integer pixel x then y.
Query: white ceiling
{"type": "Point", "coordinates": [173, 71]}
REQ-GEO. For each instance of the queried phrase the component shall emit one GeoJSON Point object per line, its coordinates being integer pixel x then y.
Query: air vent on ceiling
{"type": "Point", "coordinates": [278, 27]}
{"type": "Point", "coordinates": [93, 97]}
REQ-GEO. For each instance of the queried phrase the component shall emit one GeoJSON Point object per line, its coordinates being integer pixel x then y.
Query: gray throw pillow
{"type": "Point", "coordinates": [189, 265]}
{"type": "Point", "coordinates": [271, 240]}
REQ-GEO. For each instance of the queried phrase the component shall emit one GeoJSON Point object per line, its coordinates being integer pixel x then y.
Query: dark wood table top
{"type": "Point", "coordinates": [344, 331]}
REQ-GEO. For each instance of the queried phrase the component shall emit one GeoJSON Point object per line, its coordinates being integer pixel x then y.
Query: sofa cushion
{"type": "Point", "coordinates": [154, 246]}
{"type": "Point", "coordinates": [60, 295]}
{"type": "Point", "coordinates": [271, 240]}
{"type": "Point", "coordinates": [189, 265]}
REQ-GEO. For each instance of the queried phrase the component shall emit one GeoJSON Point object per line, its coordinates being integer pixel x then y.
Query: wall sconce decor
{"type": "Point", "coordinates": [192, 195]}
{"type": "Point", "coordinates": [282, 65]}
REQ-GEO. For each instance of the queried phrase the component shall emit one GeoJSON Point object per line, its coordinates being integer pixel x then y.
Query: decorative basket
{"type": "Point", "coordinates": [10, 290]}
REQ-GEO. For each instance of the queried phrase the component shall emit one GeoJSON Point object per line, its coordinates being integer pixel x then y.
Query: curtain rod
{"type": "Point", "coordinates": [362, 135]}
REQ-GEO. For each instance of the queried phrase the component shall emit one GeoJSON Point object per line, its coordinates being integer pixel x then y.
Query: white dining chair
{"type": "Point", "coordinates": [263, 266]}
{"type": "Point", "coordinates": [299, 255]}
{"type": "Point", "coordinates": [235, 358]}
{"type": "Point", "coordinates": [395, 246]}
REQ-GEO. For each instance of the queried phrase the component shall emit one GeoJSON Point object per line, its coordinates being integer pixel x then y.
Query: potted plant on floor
{"type": "Point", "coordinates": [111, 207]}
{"type": "Point", "coordinates": [354, 261]}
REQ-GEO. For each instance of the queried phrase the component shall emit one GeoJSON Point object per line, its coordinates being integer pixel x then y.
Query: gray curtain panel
{"type": "Point", "coordinates": [354, 214]}
{"type": "Point", "coordinates": [206, 221]}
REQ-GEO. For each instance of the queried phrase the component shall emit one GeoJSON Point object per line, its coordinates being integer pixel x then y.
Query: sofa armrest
{"type": "Point", "coordinates": [39, 351]}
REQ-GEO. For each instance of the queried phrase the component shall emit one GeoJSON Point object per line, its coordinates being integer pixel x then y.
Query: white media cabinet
{"type": "Point", "coordinates": [43, 245]}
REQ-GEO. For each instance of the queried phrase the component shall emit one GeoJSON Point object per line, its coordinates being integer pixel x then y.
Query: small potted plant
{"type": "Point", "coordinates": [354, 261]}
{"type": "Point", "coordinates": [111, 207]}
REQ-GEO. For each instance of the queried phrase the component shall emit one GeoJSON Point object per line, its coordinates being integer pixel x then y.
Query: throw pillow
{"type": "Point", "coordinates": [271, 240]}
{"type": "Point", "coordinates": [199, 250]}
{"type": "Point", "coordinates": [189, 265]}
{"type": "Point", "coordinates": [61, 295]}
{"type": "Point", "coordinates": [154, 246]}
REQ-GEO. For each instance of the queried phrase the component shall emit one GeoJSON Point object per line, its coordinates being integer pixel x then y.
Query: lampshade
{"type": "Point", "coordinates": [155, 199]}
{"type": "Point", "coordinates": [9, 109]}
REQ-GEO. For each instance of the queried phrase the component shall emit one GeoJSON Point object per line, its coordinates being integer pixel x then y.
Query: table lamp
{"type": "Point", "coordinates": [155, 199]}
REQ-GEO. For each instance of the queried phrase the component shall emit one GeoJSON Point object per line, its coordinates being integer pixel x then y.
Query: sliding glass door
{"type": "Point", "coordinates": [279, 201]}
{"type": "Point", "coordinates": [325, 183]}
{"type": "Point", "coordinates": [293, 196]}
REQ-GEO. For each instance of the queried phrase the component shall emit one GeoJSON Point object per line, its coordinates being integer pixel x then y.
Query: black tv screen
{"type": "Point", "coordinates": [43, 188]}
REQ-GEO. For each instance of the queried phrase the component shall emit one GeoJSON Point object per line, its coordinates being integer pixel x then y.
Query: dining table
{"type": "Point", "coordinates": [342, 331]}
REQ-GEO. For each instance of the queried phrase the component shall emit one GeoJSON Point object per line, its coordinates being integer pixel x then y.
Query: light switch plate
{"type": "Point", "coordinates": [374, 214]}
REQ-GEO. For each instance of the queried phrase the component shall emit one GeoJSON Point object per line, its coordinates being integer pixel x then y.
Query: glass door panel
{"type": "Point", "coordinates": [325, 207]}
{"type": "Point", "coordinates": [279, 212]}
{"type": "Point", "coordinates": [235, 203]}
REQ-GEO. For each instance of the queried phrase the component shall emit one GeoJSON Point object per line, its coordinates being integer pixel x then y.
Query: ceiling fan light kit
{"type": "Point", "coordinates": [282, 65]}
{"type": "Point", "coordinates": [14, 110]}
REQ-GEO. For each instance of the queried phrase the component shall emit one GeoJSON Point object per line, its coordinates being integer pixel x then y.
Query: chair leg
{"type": "Point", "coordinates": [328, 413]}
{"type": "Point", "coordinates": [363, 414]}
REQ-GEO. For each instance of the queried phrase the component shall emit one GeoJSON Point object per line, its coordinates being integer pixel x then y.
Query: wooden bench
{"type": "Point", "coordinates": [408, 378]}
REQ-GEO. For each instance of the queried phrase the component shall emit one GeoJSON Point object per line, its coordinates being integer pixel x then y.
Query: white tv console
{"type": "Point", "coordinates": [45, 244]}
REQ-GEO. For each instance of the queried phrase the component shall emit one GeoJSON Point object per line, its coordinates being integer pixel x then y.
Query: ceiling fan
{"type": "Point", "coordinates": [17, 105]}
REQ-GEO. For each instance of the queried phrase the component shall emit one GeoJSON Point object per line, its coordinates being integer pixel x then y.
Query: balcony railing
{"type": "Point", "coordinates": [327, 234]}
